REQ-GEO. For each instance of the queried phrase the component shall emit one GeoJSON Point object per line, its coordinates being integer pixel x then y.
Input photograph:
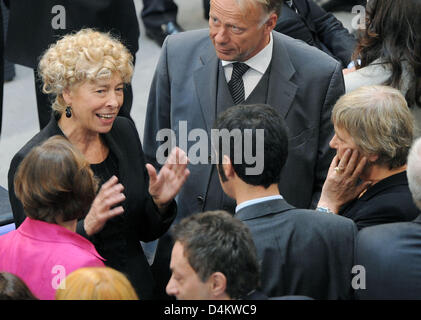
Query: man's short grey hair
{"type": "Point", "coordinates": [268, 6]}
{"type": "Point", "coordinates": [414, 172]}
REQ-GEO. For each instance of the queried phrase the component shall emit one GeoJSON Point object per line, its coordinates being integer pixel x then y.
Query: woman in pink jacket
{"type": "Point", "coordinates": [56, 187]}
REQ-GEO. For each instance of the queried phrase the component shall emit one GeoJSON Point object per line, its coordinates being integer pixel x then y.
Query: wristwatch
{"type": "Point", "coordinates": [324, 210]}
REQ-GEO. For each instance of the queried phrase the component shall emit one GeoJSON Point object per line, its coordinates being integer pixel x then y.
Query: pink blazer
{"type": "Point", "coordinates": [42, 254]}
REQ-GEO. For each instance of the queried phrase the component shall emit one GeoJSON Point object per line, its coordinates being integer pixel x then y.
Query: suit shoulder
{"type": "Point", "coordinates": [303, 54]}
{"type": "Point", "coordinates": [188, 40]}
{"type": "Point", "coordinates": [36, 140]}
{"type": "Point", "coordinates": [316, 220]}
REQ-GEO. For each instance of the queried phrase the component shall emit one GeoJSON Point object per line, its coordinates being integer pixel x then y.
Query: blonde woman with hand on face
{"type": "Point", "coordinates": [86, 72]}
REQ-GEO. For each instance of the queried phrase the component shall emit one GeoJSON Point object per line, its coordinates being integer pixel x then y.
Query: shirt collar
{"type": "Point", "coordinates": [260, 62]}
{"type": "Point", "coordinates": [255, 201]}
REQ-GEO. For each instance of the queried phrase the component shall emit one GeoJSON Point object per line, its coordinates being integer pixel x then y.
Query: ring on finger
{"type": "Point", "coordinates": [338, 170]}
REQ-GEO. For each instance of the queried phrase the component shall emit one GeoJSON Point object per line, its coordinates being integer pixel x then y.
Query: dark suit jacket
{"type": "Point", "coordinates": [302, 252]}
{"type": "Point", "coordinates": [391, 256]}
{"type": "Point", "coordinates": [387, 201]}
{"type": "Point", "coordinates": [141, 220]}
{"type": "Point", "coordinates": [184, 89]}
{"type": "Point", "coordinates": [318, 28]}
{"type": "Point", "coordinates": [31, 31]}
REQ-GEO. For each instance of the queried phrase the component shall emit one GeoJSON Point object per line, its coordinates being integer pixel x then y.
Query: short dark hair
{"type": "Point", "coordinates": [254, 117]}
{"type": "Point", "coordinates": [215, 241]}
{"type": "Point", "coordinates": [13, 288]}
{"type": "Point", "coordinates": [54, 180]}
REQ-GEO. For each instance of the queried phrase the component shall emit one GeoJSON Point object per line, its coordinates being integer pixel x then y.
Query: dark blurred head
{"type": "Point", "coordinates": [274, 145]}
{"type": "Point", "coordinates": [13, 288]}
{"type": "Point", "coordinates": [55, 180]}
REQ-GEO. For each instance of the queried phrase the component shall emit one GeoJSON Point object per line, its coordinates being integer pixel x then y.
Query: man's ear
{"type": "Point", "coordinates": [228, 167]}
{"type": "Point", "coordinates": [270, 24]}
{"type": "Point", "coordinates": [218, 284]}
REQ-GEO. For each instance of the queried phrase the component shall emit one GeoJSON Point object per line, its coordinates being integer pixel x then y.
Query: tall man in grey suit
{"type": "Point", "coordinates": [302, 252]}
{"type": "Point", "coordinates": [198, 76]}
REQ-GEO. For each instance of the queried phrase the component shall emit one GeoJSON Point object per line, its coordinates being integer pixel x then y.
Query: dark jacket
{"type": "Point", "coordinates": [318, 28]}
{"type": "Point", "coordinates": [118, 241]}
{"type": "Point", "coordinates": [391, 256]}
{"type": "Point", "coordinates": [387, 201]}
{"type": "Point", "coordinates": [32, 24]}
{"type": "Point", "coordinates": [302, 252]}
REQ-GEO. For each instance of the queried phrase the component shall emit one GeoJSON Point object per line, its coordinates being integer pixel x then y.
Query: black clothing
{"type": "Point", "coordinates": [389, 200]}
{"type": "Point", "coordinates": [306, 21]}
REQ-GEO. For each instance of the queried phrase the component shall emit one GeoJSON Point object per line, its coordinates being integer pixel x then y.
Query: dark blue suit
{"type": "Point", "coordinates": [391, 256]}
{"type": "Point", "coordinates": [302, 252]}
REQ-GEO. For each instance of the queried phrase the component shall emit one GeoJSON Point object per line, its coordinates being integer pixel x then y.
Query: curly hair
{"type": "Point", "coordinates": [392, 33]}
{"type": "Point", "coordinates": [85, 55]}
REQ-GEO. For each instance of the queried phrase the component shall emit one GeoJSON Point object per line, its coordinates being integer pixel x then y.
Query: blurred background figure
{"type": "Point", "coordinates": [339, 5]}
{"type": "Point", "coordinates": [56, 188]}
{"type": "Point", "coordinates": [367, 179]}
{"type": "Point", "coordinates": [13, 288]}
{"type": "Point", "coordinates": [213, 258]}
{"type": "Point", "coordinates": [389, 49]}
{"type": "Point", "coordinates": [305, 20]}
{"type": "Point", "coordinates": [96, 284]}
{"type": "Point", "coordinates": [390, 253]}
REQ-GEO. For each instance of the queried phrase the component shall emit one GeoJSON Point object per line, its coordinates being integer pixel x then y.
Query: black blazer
{"type": "Point", "coordinates": [318, 28]}
{"type": "Point", "coordinates": [302, 252]}
{"type": "Point", "coordinates": [391, 256]}
{"type": "Point", "coordinates": [141, 220]}
{"type": "Point", "coordinates": [387, 201]}
{"type": "Point", "coordinates": [31, 32]}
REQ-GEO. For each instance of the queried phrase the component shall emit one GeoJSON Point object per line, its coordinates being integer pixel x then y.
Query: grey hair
{"type": "Point", "coordinates": [413, 171]}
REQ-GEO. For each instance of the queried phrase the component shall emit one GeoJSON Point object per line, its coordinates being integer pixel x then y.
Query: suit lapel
{"type": "Point", "coordinates": [206, 79]}
{"type": "Point", "coordinates": [262, 209]}
{"type": "Point", "coordinates": [282, 90]}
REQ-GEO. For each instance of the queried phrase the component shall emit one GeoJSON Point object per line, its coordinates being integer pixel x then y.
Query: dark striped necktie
{"type": "Point", "coordinates": [236, 84]}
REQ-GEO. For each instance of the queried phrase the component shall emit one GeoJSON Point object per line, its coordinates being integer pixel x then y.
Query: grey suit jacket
{"type": "Point", "coordinates": [304, 83]}
{"type": "Point", "coordinates": [302, 252]}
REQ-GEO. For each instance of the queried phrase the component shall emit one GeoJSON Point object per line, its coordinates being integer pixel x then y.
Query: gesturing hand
{"type": "Point", "coordinates": [108, 196]}
{"type": "Point", "coordinates": [341, 184]}
{"type": "Point", "coordinates": [165, 186]}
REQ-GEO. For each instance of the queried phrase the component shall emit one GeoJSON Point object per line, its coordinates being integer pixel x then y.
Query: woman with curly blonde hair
{"type": "Point", "coordinates": [86, 72]}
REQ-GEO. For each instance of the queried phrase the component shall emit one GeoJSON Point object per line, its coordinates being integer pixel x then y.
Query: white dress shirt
{"type": "Point", "coordinates": [258, 65]}
{"type": "Point", "coordinates": [254, 201]}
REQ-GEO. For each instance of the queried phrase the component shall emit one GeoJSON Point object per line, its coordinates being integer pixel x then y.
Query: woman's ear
{"type": "Point", "coordinates": [67, 96]}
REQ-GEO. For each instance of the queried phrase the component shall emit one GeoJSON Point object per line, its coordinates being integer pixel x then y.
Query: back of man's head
{"type": "Point", "coordinates": [414, 172]}
{"type": "Point", "coordinates": [215, 241]}
{"type": "Point", "coordinates": [263, 139]}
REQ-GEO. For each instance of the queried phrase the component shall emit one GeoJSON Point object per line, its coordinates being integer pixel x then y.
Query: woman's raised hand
{"type": "Point", "coordinates": [165, 185]}
{"type": "Point", "coordinates": [102, 209]}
